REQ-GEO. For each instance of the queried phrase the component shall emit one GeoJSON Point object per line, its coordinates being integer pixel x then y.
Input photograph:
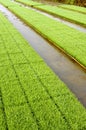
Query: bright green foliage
{"type": "Point", "coordinates": [18, 58]}
{"type": "Point", "coordinates": [69, 15]}
{"type": "Point", "coordinates": [4, 59]}
{"type": "Point", "coordinates": [2, 121]}
{"type": "Point", "coordinates": [32, 97]}
{"type": "Point", "coordinates": [30, 2]}
{"type": "Point", "coordinates": [70, 40]}
{"type": "Point", "coordinates": [6, 72]}
{"type": "Point", "coordinates": [7, 3]}
{"type": "Point", "coordinates": [20, 118]}
{"type": "Point", "coordinates": [74, 8]}
{"type": "Point", "coordinates": [12, 93]}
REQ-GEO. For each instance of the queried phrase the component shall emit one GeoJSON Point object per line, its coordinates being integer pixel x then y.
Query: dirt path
{"type": "Point", "coordinates": [67, 70]}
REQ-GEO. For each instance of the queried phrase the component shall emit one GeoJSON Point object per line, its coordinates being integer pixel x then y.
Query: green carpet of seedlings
{"type": "Point", "coordinates": [70, 40]}
{"type": "Point", "coordinates": [32, 97]}
{"type": "Point", "coordinates": [69, 15]}
{"type": "Point", "coordinates": [74, 8]}
{"type": "Point", "coordinates": [31, 3]}
{"type": "Point", "coordinates": [11, 3]}
{"type": "Point", "coordinates": [65, 6]}
{"type": "Point", "coordinates": [7, 3]}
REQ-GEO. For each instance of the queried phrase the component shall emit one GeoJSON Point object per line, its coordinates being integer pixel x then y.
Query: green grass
{"type": "Point", "coordinates": [70, 40]}
{"type": "Point", "coordinates": [32, 97]}
{"type": "Point", "coordinates": [74, 8]}
{"type": "Point", "coordinates": [69, 15]}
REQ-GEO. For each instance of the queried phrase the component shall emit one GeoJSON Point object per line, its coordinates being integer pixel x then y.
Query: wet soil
{"type": "Point", "coordinates": [68, 71]}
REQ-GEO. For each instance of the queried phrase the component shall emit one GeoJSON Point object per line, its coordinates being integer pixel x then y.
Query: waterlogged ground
{"type": "Point", "coordinates": [31, 95]}
{"type": "Point", "coordinates": [57, 33]}
{"type": "Point", "coordinates": [67, 70]}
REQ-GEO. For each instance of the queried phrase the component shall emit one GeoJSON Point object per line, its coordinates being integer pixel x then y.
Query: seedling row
{"type": "Point", "coordinates": [65, 6]}
{"type": "Point", "coordinates": [71, 41]}
{"type": "Point", "coordinates": [32, 97]}
{"type": "Point", "coordinates": [69, 15]}
{"type": "Point", "coordinates": [74, 8]}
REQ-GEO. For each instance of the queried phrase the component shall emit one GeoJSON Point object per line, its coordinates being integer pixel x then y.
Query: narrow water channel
{"type": "Point", "coordinates": [68, 71]}
{"type": "Point", "coordinates": [70, 24]}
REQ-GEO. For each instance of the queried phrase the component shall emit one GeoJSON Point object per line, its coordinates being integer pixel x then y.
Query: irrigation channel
{"type": "Point", "coordinates": [68, 71]}
{"type": "Point", "coordinates": [70, 24]}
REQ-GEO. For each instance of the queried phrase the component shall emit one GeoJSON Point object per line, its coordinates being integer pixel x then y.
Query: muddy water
{"type": "Point", "coordinates": [67, 70]}
{"type": "Point", "coordinates": [72, 25]}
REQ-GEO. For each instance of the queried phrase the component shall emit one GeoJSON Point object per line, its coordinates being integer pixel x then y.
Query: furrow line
{"type": "Point", "coordinates": [3, 109]}
{"type": "Point", "coordinates": [28, 103]}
